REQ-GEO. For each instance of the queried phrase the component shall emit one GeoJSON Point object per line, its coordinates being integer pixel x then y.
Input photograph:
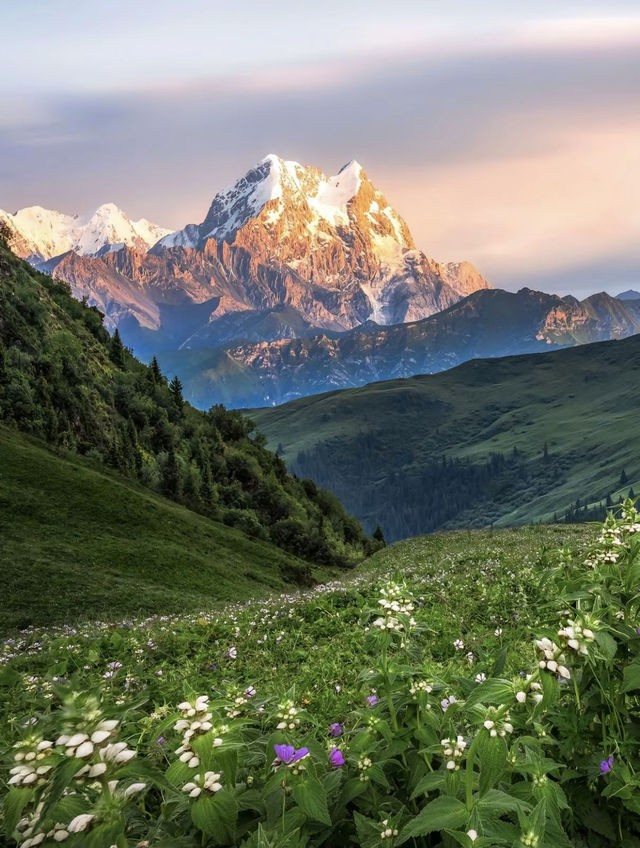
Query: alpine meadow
{"type": "Point", "coordinates": [319, 520]}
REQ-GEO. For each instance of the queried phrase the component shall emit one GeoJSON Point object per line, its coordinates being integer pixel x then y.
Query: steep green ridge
{"type": "Point", "coordinates": [65, 380]}
{"type": "Point", "coordinates": [82, 543]}
{"type": "Point", "coordinates": [467, 447]}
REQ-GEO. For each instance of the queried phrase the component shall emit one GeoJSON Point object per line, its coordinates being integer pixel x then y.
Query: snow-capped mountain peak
{"type": "Point", "coordinates": [336, 229]}
{"type": "Point", "coordinates": [40, 234]}
{"type": "Point", "coordinates": [284, 186]}
{"type": "Point", "coordinates": [285, 240]}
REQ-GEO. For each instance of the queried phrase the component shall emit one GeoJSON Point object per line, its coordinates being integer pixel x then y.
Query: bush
{"type": "Point", "coordinates": [245, 520]}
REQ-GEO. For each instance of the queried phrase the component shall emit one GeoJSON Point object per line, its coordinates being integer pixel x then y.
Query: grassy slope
{"type": "Point", "coordinates": [79, 543]}
{"type": "Point", "coordinates": [478, 593]}
{"type": "Point", "coordinates": [583, 402]}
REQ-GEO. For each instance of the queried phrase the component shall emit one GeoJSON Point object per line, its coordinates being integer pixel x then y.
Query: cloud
{"type": "Point", "coordinates": [537, 216]}
{"type": "Point", "coordinates": [522, 159]}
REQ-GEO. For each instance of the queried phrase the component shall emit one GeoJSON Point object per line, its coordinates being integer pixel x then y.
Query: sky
{"type": "Point", "coordinates": [505, 132]}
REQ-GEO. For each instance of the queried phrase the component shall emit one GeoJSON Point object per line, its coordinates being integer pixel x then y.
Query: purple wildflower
{"type": "Point", "coordinates": [335, 729]}
{"type": "Point", "coordinates": [372, 700]}
{"type": "Point", "coordinates": [336, 758]}
{"type": "Point", "coordinates": [606, 765]}
{"type": "Point", "coordinates": [288, 755]}
{"type": "Point", "coordinates": [638, 630]}
{"type": "Point", "coordinates": [160, 740]}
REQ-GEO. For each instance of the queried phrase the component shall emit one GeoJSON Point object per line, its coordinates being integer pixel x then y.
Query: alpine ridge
{"type": "Point", "coordinates": [38, 234]}
{"type": "Point", "coordinates": [285, 249]}
{"type": "Point", "coordinates": [487, 323]}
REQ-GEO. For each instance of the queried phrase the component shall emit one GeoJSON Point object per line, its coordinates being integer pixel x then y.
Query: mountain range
{"type": "Point", "coordinates": [39, 235]}
{"type": "Point", "coordinates": [285, 251]}
{"type": "Point", "coordinates": [294, 283]}
{"type": "Point", "coordinates": [487, 323]}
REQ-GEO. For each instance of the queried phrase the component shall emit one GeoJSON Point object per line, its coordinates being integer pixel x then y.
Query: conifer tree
{"type": "Point", "coordinates": [175, 387]}
{"type": "Point", "coordinates": [156, 373]}
{"type": "Point", "coordinates": [378, 535]}
{"type": "Point", "coordinates": [116, 350]}
{"type": "Point", "coordinates": [172, 483]}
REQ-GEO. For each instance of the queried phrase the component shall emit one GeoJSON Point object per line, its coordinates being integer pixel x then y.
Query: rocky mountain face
{"type": "Point", "coordinates": [284, 252]}
{"type": "Point", "coordinates": [488, 323]}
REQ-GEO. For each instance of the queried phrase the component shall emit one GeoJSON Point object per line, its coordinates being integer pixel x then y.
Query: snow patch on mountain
{"type": "Point", "coordinates": [334, 193]}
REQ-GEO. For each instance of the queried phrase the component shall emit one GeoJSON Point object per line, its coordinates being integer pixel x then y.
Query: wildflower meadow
{"type": "Point", "coordinates": [474, 689]}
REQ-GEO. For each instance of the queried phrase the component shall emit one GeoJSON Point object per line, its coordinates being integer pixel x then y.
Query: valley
{"type": "Point", "coordinates": [494, 441]}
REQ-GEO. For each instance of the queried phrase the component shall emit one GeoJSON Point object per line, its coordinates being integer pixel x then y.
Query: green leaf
{"type": "Point", "coordinates": [368, 831]}
{"type": "Point", "coordinates": [441, 813]}
{"type": "Point", "coordinates": [550, 688]}
{"type": "Point", "coordinates": [109, 833]}
{"type": "Point", "coordinates": [537, 820]}
{"type": "Point", "coordinates": [351, 790]}
{"type": "Point", "coordinates": [251, 800]}
{"type": "Point", "coordinates": [599, 820]}
{"type": "Point", "coordinates": [498, 802]}
{"type": "Point", "coordinates": [492, 691]}
{"type": "Point", "coordinates": [311, 796]}
{"type": "Point", "coordinates": [376, 775]}
{"type": "Point", "coordinates": [227, 762]}
{"type": "Point", "coordinates": [9, 677]}
{"type": "Point", "coordinates": [203, 747]}
{"type": "Point", "coordinates": [631, 677]}
{"type": "Point", "coordinates": [433, 780]}
{"type": "Point", "coordinates": [332, 781]}
{"type": "Point", "coordinates": [215, 815]}
{"type": "Point", "coordinates": [607, 644]}
{"type": "Point", "coordinates": [14, 803]}
{"type": "Point", "coordinates": [501, 660]}
{"type": "Point", "coordinates": [178, 773]}
{"type": "Point", "coordinates": [62, 777]}
{"type": "Point", "coordinates": [492, 755]}
{"type": "Point", "coordinates": [480, 842]}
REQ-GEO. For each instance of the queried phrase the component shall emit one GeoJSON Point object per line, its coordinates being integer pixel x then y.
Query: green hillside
{"type": "Point", "coordinates": [66, 381]}
{"type": "Point", "coordinates": [82, 543]}
{"type": "Point", "coordinates": [467, 447]}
